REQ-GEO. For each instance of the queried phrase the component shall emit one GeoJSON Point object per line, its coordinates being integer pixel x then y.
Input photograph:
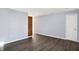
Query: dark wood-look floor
{"type": "Point", "coordinates": [42, 43]}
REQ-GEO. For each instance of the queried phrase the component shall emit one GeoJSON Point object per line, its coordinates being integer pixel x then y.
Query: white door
{"type": "Point", "coordinates": [71, 27]}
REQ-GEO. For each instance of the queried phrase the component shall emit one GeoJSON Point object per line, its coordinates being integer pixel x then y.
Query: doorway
{"type": "Point", "coordinates": [30, 25]}
{"type": "Point", "coordinates": [71, 27]}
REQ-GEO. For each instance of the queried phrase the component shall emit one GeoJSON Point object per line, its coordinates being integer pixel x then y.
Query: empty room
{"type": "Point", "coordinates": [39, 29]}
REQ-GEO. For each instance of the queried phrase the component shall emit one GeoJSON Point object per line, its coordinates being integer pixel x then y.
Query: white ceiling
{"type": "Point", "coordinates": [42, 11]}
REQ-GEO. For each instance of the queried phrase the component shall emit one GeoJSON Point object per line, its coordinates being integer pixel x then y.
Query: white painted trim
{"type": "Point", "coordinates": [17, 40]}
{"type": "Point", "coordinates": [51, 35]}
{"type": "Point", "coordinates": [42, 34]}
{"type": "Point", "coordinates": [58, 37]}
{"type": "Point", "coordinates": [70, 32]}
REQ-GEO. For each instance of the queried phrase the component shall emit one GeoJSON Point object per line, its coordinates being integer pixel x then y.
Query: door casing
{"type": "Point", "coordinates": [71, 27]}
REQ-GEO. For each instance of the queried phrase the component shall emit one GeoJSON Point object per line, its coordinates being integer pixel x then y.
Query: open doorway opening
{"type": "Point", "coordinates": [30, 31]}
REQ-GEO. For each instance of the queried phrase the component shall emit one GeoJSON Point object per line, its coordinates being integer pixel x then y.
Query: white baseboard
{"type": "Point", "coordinates": [58, 37]}
{"type": "Point", "coordinates": [17, 40]}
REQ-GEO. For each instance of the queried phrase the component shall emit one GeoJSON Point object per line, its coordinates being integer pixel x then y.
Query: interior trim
{"type": "Point", "coordinates": [57, 37]}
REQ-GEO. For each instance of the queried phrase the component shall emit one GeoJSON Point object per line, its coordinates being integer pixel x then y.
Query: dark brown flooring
{"type": "Point", "coordinates": [42, 43]}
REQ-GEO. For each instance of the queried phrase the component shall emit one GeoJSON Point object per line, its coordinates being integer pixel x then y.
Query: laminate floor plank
{"type": "Point", "coordinates": [42, 43]}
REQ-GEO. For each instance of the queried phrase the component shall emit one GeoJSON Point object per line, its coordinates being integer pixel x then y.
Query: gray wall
{"type": "Point", "coordinates": [12, 25]}
{"type": "Point", "coordinates": [53, 24]}
{"type": "Point", "coordinates": [78, 27]}
{"type": "Point", "coordinates": [17, 22]}
{"type": "Point", "coordinates": [3, 24]}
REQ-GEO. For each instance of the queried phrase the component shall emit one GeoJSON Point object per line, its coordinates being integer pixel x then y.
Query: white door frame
{"type": "Point", "coordinates": [71, 27]}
